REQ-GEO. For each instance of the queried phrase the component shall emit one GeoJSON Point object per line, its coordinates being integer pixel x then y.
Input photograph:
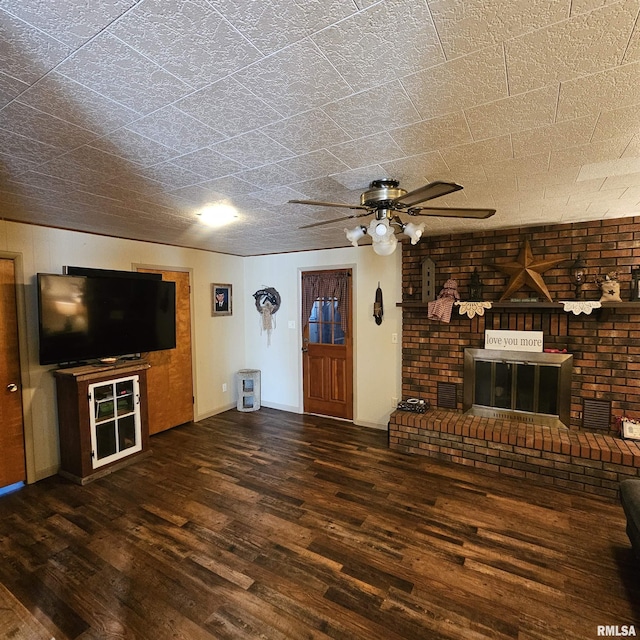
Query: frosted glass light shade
{"type": "Point", "coordinates": [414, 231]}
{"type": "Point", "coordinates": [353, 235]}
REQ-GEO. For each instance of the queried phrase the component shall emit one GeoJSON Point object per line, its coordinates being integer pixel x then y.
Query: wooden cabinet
{"type": "Point", "coordinates": [103, 419]}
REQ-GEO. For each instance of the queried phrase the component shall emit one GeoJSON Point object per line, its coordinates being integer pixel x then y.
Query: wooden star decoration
{"type": "Point", "coordinates": [526, 271]}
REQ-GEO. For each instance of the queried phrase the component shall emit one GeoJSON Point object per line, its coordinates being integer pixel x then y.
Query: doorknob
{"type": "Point", "coordinates": [12, 387]}
{"type": "Point", "coordinates": [304, 350]}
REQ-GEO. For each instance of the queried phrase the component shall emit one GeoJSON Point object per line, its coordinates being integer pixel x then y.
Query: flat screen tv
{"type": "Point", "coordinates": [88, 318]}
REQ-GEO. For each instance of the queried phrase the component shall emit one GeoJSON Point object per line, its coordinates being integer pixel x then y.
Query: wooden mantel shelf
{"type": "Point", "coordinates": [531, 306]}
{"type": "Point", "coordinates": [601, 314]}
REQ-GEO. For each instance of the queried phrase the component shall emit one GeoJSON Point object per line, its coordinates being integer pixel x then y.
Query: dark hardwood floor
{"type": "Point", "coordinates": [273, 525]}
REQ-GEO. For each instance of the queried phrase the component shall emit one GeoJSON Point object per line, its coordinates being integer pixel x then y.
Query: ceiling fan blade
{"type": "Point", "coordinates": [327, 204]}
{"type": "Point", "coordinates": [355, 215]}
{"type": "Point", "coordinates": [427, 192]}
{"type": "Point", "coordinates": [451, 213]}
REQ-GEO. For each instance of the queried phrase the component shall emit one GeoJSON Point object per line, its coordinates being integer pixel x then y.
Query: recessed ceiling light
{"type": "Point", "coordinates": [217, 214]}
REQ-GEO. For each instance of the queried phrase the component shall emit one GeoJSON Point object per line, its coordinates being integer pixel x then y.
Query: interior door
{"type": "Point", "coordinates": [12, 454]}
{"type": "Point", "coordinates": [327, 362]}
{"type": "Point", "coordinates": [170, 378]}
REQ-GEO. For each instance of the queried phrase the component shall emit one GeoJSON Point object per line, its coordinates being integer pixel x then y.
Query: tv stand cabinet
{"type": "Point", "coordinates": [103, 420]}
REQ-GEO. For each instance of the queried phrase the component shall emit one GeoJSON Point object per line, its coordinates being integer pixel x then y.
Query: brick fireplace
{"type": "Point", "coordinates": [605, 378]}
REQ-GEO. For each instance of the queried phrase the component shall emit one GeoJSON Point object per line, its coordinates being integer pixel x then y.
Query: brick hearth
{"type": "Point", "coordinates": [590, 462]}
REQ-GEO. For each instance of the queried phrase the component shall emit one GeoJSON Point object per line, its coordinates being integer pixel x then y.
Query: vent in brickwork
{"type": "Point", "coordinates": [596, 414]}
{"type": "Point", "coordinates": [447, 395]}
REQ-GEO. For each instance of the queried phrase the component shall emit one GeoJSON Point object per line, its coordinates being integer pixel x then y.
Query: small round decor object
{"type": "Point", "coordinates": [109, 360]}
{"type": "Point", "coordinates": [267, 294]}
{"type": "Point", "coordinates": [413, 400]}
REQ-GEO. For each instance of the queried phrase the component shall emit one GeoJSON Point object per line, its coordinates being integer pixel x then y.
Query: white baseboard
{"type": "Point", "coordinates": [371, 425]}
{"type": "Point", "coordinates": [281, 407]}
{"type": "Point", "coordinates": [215, 412]}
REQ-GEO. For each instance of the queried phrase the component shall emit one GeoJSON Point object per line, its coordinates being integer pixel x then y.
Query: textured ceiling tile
{"type": "Point", "coordinates": [24, 148]}
{"type": "Point", "coordinates": [560, 176]}
{"type": "Point", "coordinates": [268, 176]}
{"type": "Point", "coordinates": [468, 25]}
{"type": "Point", "coordinates": [358, 179]}
{"type": "Point", "coordinates": [207, 163]}
{"type": "Point", "coordinates": [415, 171]}
{"type": "Point", "coordinates": [27, 53]}
{"type": "Point", "coordinates": [588, 153]}
{"type": "Point", "coordinates": [40, 126]}
{"type": "Point", "coordinates": [229, 187]}
{"type": "Point", "coordinates": [568, 189]}
{"type": "Point", "coordinates": [43, 181]}
{"type": "Point", "coordinates": [328, 189]}
{"type": "Point", "coordinates": [633, 148]}
{"type": "Point", "coordinates": [582, 6]}
{"type": "Point", "coordinates": [437, 133]}
{"type": "Point", "coordinates": [626, 180]}
{"type": "Point", "coordinates": [228, 107]}
{"type": "Point", "coordinates": [137, 149]}
{"type": "Point", "coordinates": [365, 151]}
{"type": "Point", "coordinates": [552, 137]}
{"type": "Point", "coordinates": [14, 166]}
{"type": "Point", "coordinates": [526, 165]}
{"type": "Point", "coordinates": [609, 168]}
{"type": "Point", "coordinates": [368, 112]}
{"type": "Point", "coordinates": [524, 111]}
{"type": "Point", "coordinates": [278, 196]}
{"type": "Point", "coordinates": [70, 21]}
{"type": "Point", "coordinates": [174, 128]}
{"type": "Point", "coordinates": [619, 122]}
{"type": "Point", "coordinates": [68, 100]}
{"type": "Point", "coordinates": [572, 48]}
{"type": "Point", "coordinates": [476, 153]}
{"type": "Point", "coordinates": [314, 164]}
{"type": "Point", "coordinates": [110, 67]}
{"type": "Point", "coordinates": [70, 168]}
{"type": "Point", "coordinates": [607, 90]}
{"type": "Point", "coordinates": [295, 79]}
{"type": "Point", "coordinates": [273, 24]}
{"type": "Point", "coordinates": [364, 60]}
{"type": "Point", "coordinates": [449, 87]}
{"type": "Point", "coordinates": [170, 175]}
{"type": "Point", "coordinates": [306, 132]}
{"type": "Point", "coordinates": [188, 39]}
{"type": "Point", "coordinates": [253, 149]}
{"type": "Point", "coordinates": [633, 49]}
{"type": "Point", "coordinates": [10, 88]}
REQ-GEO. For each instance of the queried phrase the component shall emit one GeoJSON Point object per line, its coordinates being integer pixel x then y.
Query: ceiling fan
{"type": "Point", "coordinates": [385, 199]}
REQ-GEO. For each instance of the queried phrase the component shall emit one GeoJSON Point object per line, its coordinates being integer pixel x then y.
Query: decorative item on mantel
{"type": "Point", "coordinates": [580, 306]}
{"type": "Point", "coordinates": [475, 287]}
{"type": "Point", "coordinates": [440, 309]}
{"type": "Point", "coordinates": [472, 308]}
{"type": "Point", "coordinates": [579, 277]}
{"type": "Point", "coordinates": [628, 427]}
{"type": "Point", "coordinates": [527, 271]}
{"type": "Point", "coordinates": [635, 284]}
{"type": "Point", "coordinates": [610, 287]}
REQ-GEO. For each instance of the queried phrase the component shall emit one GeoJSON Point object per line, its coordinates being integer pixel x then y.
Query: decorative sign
{"type": "Point", "coordinates": [513, 340]}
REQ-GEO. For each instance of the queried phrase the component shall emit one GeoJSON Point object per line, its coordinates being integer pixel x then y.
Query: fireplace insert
{"type": "Point", "coordinates": [528, 386]}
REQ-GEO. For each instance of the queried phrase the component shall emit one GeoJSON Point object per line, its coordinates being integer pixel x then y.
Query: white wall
{"type": "Point", "coordinates": [221, 345]}
{"type": "Point", "coordinates": [377, 362]}
{"type": "Point", "coordinates": [218, 342]}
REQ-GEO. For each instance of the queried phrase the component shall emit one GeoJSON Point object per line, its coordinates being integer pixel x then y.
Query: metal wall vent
{"type": "Point", "coordinates": [596, 414]}
{"type": "Point", "coordinates": [447, 395]}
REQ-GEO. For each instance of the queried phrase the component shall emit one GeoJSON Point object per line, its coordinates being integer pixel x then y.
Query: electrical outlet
{"type": "Point", "coordinates": [292, 324]}
{"type": "Point", "coordinates": [394, 338]}
{"type": "Point", "coordinates": [394, 402]}
{"type": "Point", "coordinates": [224, 387]}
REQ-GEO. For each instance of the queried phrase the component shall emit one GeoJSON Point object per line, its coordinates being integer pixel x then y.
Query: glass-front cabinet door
{"type": "Point", "coordinates": [115, 419]}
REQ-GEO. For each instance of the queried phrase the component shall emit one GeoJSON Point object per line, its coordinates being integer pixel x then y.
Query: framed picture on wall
{"type": "Point", "coordinates": [221, 300]}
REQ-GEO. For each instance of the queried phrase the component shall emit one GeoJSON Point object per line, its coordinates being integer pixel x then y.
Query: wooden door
{"type": "Point", "coordinates": [327, 362]}
{"type": "Point", "coordinates": [170, 378]}
{"type": "Point", "coordinates": [12, 455]}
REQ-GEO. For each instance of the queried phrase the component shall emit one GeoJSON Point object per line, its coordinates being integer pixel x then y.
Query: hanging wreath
{"type": "Point", "coordinates": [267, 303]}
{"type": "Point", "coordinates": [268, 294]}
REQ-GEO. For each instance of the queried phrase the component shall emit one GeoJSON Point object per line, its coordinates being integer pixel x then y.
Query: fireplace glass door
{"type": "Point", "coordinates": [499, 383]}
{"type": "Point", "coordinates": [517, 386]}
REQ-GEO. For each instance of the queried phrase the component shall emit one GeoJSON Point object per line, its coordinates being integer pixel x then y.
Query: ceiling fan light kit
{"type": "Point", "coordinates": [384, 200]}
